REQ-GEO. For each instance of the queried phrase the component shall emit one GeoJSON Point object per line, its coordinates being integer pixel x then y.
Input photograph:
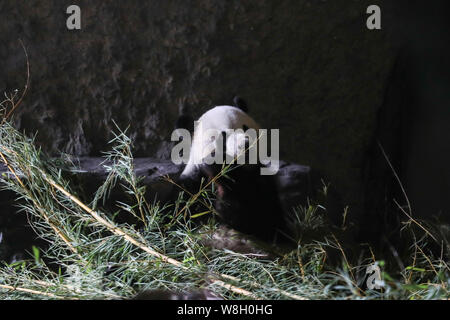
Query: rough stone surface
{"type": "Point", "coordinates": [309, 68]}
{"type": "Point", "coordinates": [92, 174]}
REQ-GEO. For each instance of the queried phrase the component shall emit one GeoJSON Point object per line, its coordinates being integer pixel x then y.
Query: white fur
{"type": "Point", "coordinates": [219, 118]}
{"type": "Point", "coordinates": [236, 144]}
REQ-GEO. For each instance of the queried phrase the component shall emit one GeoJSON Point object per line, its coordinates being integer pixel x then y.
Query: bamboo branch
{"type": "Point", "coordinates": [47, 294]}
{"type": "Point", "coordinates": [116, 230]}
{"type": "Point", "coordinates": [41, 210]}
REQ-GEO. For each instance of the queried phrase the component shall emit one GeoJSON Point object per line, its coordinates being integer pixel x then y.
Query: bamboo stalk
{"type": "Point", "coordinates": [255, 284]}
{"type": "Point", "coordinates": [235, 289]}
{"type": "Point", "coordinates": [44, 214]}
{"type": "Point", "coordinates": [112, 227]}
{"type": "Point", "coordinates": [152, 252]}
{"type": "Point", "coordinates": [47, 294]}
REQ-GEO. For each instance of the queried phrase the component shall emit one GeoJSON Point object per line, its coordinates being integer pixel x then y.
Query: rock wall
{"type": "Point", "coordinates": [310, 68]}
{"type": "Point", "coordinates": [413, 122]}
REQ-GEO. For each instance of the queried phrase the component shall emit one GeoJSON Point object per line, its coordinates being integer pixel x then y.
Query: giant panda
{"type": "Point", "coordinates": [245, 200]}
{"type": "Point", "coordinates": [220, 118]}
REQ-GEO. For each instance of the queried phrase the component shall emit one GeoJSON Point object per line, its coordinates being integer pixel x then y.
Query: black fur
{"type": "Point", "coordinates": [248, 201]}
{"type": "Point", "coordinates": [185, 121]}
{"type": "Point", "coordinates": [245, 200]}
{"type": "Point", "coordinates": [240, 103]}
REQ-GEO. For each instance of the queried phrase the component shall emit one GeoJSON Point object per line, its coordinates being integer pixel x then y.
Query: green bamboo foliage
{"type": "Point", "coordinates": [92, 256]}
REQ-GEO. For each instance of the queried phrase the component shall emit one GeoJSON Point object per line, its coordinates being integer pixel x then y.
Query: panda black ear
{"type": "Point", "coordinates": [185, 119]}
{"type": "Point", "coordinates": [240, 103]}
{"type": "Point", "coordinates": [185, 122]}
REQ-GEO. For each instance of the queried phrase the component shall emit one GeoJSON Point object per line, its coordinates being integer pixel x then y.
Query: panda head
{"type": "Point", "coordinates": [237, 144]}
{"type": "Point", "coordinates": [217, 119]}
